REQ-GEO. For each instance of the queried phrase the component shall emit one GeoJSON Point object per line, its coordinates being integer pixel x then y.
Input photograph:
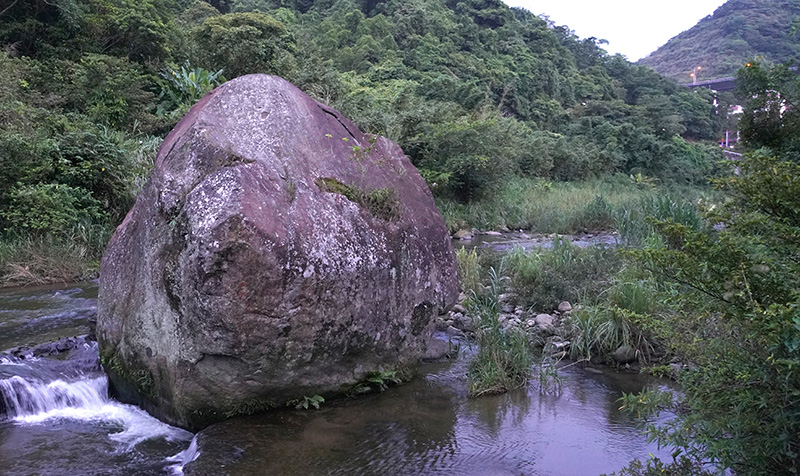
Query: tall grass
{"type": "Point", "coordinates": [635, 223]}
{"type": "Point", "coordinates": [544, 277]}
{"type": "Point", "coordinates": [47, 259]}
{"type": "Point", "coordinates": [602, 328]}
{"type": "Point", "coordinates": [503, 361]}
{"type": "Point", "coordinates": [470, 271]}
{"type": "Point", "coordinates": [566, 207]}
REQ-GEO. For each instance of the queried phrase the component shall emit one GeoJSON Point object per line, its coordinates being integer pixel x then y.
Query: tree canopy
{"type": "Point", "coordinates": [474, 91]}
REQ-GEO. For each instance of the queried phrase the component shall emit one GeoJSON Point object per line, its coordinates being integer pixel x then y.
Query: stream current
{"type": "Point", "coordinates": [56, 418]}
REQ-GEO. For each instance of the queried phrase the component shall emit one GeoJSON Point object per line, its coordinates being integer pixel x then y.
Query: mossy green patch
{"type": "Point", "coordinates": [380, 202]}
{"type": "Point", "coordinates": [138, 376]}
{"type": "Point", "coordinates": [250, 407]}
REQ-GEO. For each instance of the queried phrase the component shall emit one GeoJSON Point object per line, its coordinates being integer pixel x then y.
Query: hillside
{"type": "Point", "coordinates": [476, 93]}
{"type": "Point", "coordinates": [721, 43]}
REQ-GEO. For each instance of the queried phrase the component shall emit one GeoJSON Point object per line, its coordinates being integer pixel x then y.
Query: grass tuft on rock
{"type": "Point", "coordinates": [380, 202]}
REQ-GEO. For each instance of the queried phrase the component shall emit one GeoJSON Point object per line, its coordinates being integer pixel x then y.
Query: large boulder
{"type": "Point", "coordinates": [276, 252]}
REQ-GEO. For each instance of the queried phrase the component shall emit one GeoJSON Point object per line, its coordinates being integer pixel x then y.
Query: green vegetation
{"type": "Point", "coordinates": [770, 121]}
{"type": "Point", "coordinates": [503, 361]}
{"type": "Point", "coordinates": [308, 402]}
{"type": "Point", "coordinates": [723, 42]}
{"type": "Point", "coordinates": [141, 377]}
{"type": "Point", "coordinates": [481, 97]}
{"type": "Point", "coordinates": [469, 271]}
{"type": "Point", "coordinates": [44, 258]}
{"type": "Point", "coordinates": [250, 407]}
{"type": "Point", "coordinates": [380, 202]}
{"type": "Point", "coordinates": [180, 89]}
{"type": "Point", "coordinates": [546, 276]}
{"type": "Point", "coordinates": [379, 381]}
{"type": "Point", "coordinates": [730, 309]}
{"type": "Point", "coordinates": [536, 205]}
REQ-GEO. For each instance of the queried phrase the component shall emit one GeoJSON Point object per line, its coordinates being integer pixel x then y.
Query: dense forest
{"type": "Point", "coordinates": [474, 92]}
{"type": "Point", "coordinates": [737, 32]}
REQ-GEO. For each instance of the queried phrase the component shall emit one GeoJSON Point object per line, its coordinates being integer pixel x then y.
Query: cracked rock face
{"type": "Point", "coordinates": [277, 252]}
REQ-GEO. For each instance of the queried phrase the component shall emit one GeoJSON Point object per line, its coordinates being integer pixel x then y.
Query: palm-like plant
{"type": "Point", "coordinates": [180, 88]}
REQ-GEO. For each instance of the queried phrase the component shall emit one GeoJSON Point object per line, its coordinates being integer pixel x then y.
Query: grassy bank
{"type": "Point", "coordinates": [562, 207]}
{"type": "Point", "coordinates": [616, 302]}
{"type": "Point", "coordinates": [617, 203]}
{"type": "Point", "coordinates": [27, 260]}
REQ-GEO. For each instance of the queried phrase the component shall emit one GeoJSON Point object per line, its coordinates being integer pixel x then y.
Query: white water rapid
{"type": "Point", "coordinates": [30, 401]}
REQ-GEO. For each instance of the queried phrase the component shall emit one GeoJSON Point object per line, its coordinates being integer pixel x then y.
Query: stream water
{"type": "Point", "coordinates": [56, 419]}
{"type": "Point", "coordinates": [501, 242]}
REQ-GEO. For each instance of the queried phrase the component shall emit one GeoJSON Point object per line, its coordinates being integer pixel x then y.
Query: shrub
{"type": "Point", "coordinates": [179, 89]}
{"type": "Point", "coordinates": [737, 288]}
{"type": "Point", "coordinates": [545, 277]}
{"type": "Point", "coordinates": [243, 43]}
{"type": "Point", "coordinates": [50, 208]}
{"type": "Point", "coordinates": [477, 155]}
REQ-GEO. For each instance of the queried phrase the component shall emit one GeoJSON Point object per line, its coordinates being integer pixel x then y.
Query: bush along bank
{"type": "Point", "coordinates": [580, 304]}
{"type": "Point", "coordinates": [593, 305]}
{"type": "Point", "coordinates": [616, 203]}
{"type": "Point", "coordinates": [708, 297]}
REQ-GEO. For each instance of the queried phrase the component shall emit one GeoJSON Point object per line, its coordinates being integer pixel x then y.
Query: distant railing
{"type": "Point", "coordinates": [720, 84]}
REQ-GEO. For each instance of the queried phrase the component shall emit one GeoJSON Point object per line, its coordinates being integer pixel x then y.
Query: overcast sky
{"type": "Point", "coordinates": [634, 28]}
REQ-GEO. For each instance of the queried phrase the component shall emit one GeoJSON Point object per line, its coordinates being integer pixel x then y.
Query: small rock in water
{"type": "Point", "coordinates": [565, 306]}
{"type": "Point", "coordinates": [465, 235]}
{"type": "Point", "coordinates": [560, 345]}
{"type": "Point", "coordinates": [452, 331]}
{"type": "Point", "coordinates": [437, 349]}
{"type": "Point", "coordinates": [492, 233]}
{"type": "Point", "coordinates": [625, 354]}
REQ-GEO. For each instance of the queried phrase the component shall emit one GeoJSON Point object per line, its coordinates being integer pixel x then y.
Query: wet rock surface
{"type": "Point", "coordinates": [49, 349]}
{"type": "Point", "coordinates": [276, 252]}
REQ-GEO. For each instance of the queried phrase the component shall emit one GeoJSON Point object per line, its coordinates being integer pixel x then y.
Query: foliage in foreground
{"type": "Point", "coordinates": [736, 318]}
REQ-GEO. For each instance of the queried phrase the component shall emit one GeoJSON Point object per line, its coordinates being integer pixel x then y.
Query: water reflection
{"type": "Point", "coordinates": [430, 427]}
